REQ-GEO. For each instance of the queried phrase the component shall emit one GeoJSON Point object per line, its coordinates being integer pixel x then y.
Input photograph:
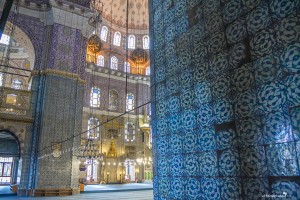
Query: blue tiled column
{"type": "Point", "coordinates": [225, 82]}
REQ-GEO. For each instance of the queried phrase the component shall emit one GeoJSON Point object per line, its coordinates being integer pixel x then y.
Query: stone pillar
{"type": "Point", "coordinates": [225, 80]}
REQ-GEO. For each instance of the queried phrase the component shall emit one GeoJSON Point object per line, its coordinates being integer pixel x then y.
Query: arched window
{"type": "Point", "coordinates": [95, 97]}
{"type": "Point", "coordinates": [129, 102]}
{"type": "Point", "coordinates": [127, 67]}
{"type": "Point", "coordinates": [113, 99]}
{"type": "Point", "coordinates": [100, 61]}
{"type": "Point", "coordinates": [129, 132]}
{"type": "Point", "coordinates": [1, 79]}
{"type": "Point", "coordinates": [117, 38]}
{"type": "Point", "coordinates": [93, 128]}
{"type": "Point", "coordinates": [5, 39]}
{"type": "Point", "coordinates": [131, 42]}
{"type": "Point", "coordinates": [17, 84]}
{"type": "Point", "coordinates": [104, 32]}
{"type": "Point", "coordinates": [114, 63]}
{"type": "Point", "coordinates": [146, 42]}
{"type": "Point", "coordinates": [148, 70]}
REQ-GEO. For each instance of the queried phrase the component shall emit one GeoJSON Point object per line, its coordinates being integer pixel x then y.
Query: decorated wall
{"type": "Point", "coordinates": [225, 82]}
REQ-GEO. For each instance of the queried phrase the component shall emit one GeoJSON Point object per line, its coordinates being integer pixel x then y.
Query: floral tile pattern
{"type": "Point", "coordinates": [229, 72]}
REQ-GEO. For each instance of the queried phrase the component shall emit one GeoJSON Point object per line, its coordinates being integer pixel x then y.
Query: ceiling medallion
{"type": "Point", "coordinates": [139, 56]}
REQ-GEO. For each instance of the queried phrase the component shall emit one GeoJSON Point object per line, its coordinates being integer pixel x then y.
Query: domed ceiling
{"type": "Point", "coordinates": [115, 11]}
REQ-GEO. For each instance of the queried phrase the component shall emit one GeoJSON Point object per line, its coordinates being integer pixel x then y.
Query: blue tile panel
{"type": "Point", "coordinates": [227, 98]}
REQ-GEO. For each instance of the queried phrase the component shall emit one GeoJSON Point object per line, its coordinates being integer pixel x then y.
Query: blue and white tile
{"type": "Point", "coordinates": [291, 58]}
{"type": "Point", "coordinates": [162, 145]}
{"type": "Point", "coordinates": [172, 84]}
{"type": "Point", "coordinates": [173, 105]}
{"type": "Point", "coordinates": [288, 30]}
{"type": "Point", "coordinates": [160, 91]}
{"type": "Point", "coordinates": [227, 139]}
{"type": "Point", "coordinates": [202, 93]}
{"type": "Point", "coordinates": [206, 139]}
{"type": "Point", "coordinates": [190, 142]}
{"type": "Point", "coordinates": [208, 164]}
{"type": "Point", "coordinates": [205, 116]}
{"type": "Point", "coordinates": [185, 80]}
{"type": "Point", "coordinates": [277, 128]}
{"type": "Point", "coordinates": [216, 42]}
{"type": "Point", "coordinates": [210, 189]}
{"type": "Point", "coordinates": [191, 165]}
{"type": "Point", "coordinates": [250, 131]}
{"type": "Point", "coordinates": [188, 120]}
{"type": "Point", "coordinates": [177, 188]}
{"type": "Point", "coordinates": [174, 125]}
{"type": "Point", "coordinates": [253, 162]}
{"type": "Point", "coordinates": [267, 69]}
{"type": "Point", "coordinates": [176, 143]}
{"type": "Point", "coordinates": [214, 22]}
{"type": "Point", "coordinates": [282, 160]}
{"type": "Point", "coordinates": [176, 166]}
{"type": "Point", "coordinates": [236, 32]}
{"type": "Point", "coordinates": [223, 110]}
{"type": "Point", "coordinates": [187, 98]}
{"type": "Point", "coordinates": [258, 19]}
{"type": "Point", "coordinates": [230, 188]}
{"type": "Point", "coordinates": [193, 189]}
{"type": "Point", "coordinates": [229, 164]}
{"type": "Point", "coordinates": [283, 8]}
{"type": "Point", "coordinates": [162, 126]}
{"type": "Point", "coordinates": [200, 71]}
{"type": "Point", "coordinates": [255, 188]}
{"type": "Point", "coordinates": [245, 105]}
{"type": "Point", "coordinates": [182, 25]}
{"type": "Point", "coordinates": [170, 50]}
{"type": "Point", "coordinates": [295, 121]}
{"type": "Point", "coordinates": [288, 189]}
{"type": "Point", "coordinates": [236, 55]}
{"type": "Point", "coordinates": [163, 166]}
{"type": "Point", "coordinates": [163, 187]}
{"type": "Point", "coordinates": [262, 43]}
{"type": "Point", "coordinates": [218, 64]}
{"type": "Point", "coordinates": [243, 78]}
{"type": "Point", "coordinates": [221, 86]}
{"type": "Point", "coordinates": [210, 6]}
{"type": "Point", "coordinates": [231, 11]}
{"type": "Point", "coordinates": [271, 97]}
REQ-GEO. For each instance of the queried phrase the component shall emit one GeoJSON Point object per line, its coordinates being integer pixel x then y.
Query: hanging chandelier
{"type": "Point", "coordinates": [89, 150]}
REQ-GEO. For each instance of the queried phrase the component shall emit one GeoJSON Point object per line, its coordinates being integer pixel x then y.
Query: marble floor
{"type": "Point", "coordinates": [147, 185]}
{"type": "Point", "coordinates": [130, 191]}
{"type": "Point", "coordinates": [124, 195]}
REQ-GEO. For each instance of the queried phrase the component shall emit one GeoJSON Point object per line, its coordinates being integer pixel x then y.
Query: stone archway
{"type": "Point", "coordinates": [9, 157]}
{"type": "Point", "coordinates": [22, 38]}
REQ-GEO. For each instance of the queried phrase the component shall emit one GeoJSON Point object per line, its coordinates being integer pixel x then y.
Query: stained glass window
{"type": "Point", "coordinates": [117, 38]}
{"type": "Point", "coordinates": [5, 39]}
{"type": "Point", "coordinates": [114, 63]}
{"type": "Point", "coordinates": [127, 67]}
{"type": "Point", "coordinates": [95, 97]}
{"type": "Point", "coordinates": [148, 70]}
{"type": "Point", "coordinates": [100, 61]}
{"type": "Point", "coordinates": [131, 42]}
{"type": "Point", "coordinates": [104, 32]}
{"type": "Point", "coordinates": [146, 42]}
{"type": "Point", "coordinates": [129, 102]}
